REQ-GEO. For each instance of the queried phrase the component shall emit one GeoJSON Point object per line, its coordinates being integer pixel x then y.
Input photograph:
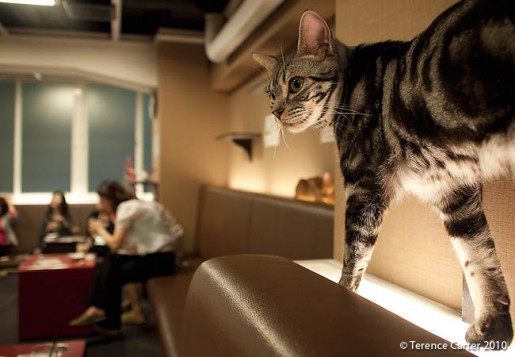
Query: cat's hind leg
{"type": "Point", "coordinates": [366, 205]}
{"type": "Point", "coordinates": [466, 223]}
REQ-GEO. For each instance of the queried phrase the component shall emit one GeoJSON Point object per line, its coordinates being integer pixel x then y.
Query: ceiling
{"type": "Point", "coordinates": [140, 19]}
{"type": "Point", "coordinates": [264, 26]}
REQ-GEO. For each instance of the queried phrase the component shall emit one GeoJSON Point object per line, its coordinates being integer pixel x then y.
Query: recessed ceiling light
{"type": "Point", "coordinates": [31, 2]}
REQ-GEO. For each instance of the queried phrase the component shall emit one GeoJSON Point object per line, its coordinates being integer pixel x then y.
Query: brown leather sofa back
{"type": "Point", "coordinates": [30, 219]}
{"type": "Point", "coordinates": [236, 222]}
{"type": "Point", "coordinates": [253, 305]}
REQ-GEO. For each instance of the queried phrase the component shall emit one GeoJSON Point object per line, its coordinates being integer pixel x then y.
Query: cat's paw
{"type": "Point", "coordinates": [350, 282]}
{"type": "Point", "coordinates": [492, 331]}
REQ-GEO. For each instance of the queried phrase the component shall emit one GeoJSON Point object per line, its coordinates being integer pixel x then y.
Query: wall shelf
{"type": "Point", "coordinates": [243, 140]}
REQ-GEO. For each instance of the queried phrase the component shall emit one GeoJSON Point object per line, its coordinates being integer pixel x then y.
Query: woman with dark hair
{"type": "Point", "coordinates": [57, 220]}
{"type": "Point", "coordinates": [144, 239]}
{"type": "Point", "coordinates": [7, 236]}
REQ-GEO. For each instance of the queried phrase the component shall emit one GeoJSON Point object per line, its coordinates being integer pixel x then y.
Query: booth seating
{"type": "Point", "coordinates": [30, 219]}
{"type": "Point", "coordinates": [239, 298]}
{"type": "Point", "coordinates": [28, 227]}
{"type": "Point", "coordinates": [236, 222]}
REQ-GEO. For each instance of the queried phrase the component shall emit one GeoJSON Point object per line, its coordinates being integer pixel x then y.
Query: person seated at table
{"type": "Point", "coordinates": [7, 236]}
{"type": "Point", "coordinates": [57, 220]}
{"type": "Point", "coordinates": [144, 239]}
{"type": "Point", "coordinates": [133, 314]}
{"type": "Point", "coordinates": [96, 243]}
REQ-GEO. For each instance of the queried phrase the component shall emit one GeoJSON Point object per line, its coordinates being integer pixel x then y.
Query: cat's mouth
{"type": "Point", "coordinates": [295, 126]}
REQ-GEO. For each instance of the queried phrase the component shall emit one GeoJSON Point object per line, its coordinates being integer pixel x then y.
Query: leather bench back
{"type": "Point", "coordinates": [252, 305]}
{"type": "Point", "coordinates": [236, 222]}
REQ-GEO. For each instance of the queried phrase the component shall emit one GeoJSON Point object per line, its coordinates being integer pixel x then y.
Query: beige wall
{"type": "Point", "coordinates": [499, 204]}
{"type": "Point", "coordinates": [413, 250]}
{"type": "Point", "coordinates": [274, 171]}
{"type": "Point", "coordinates": [190, 116]}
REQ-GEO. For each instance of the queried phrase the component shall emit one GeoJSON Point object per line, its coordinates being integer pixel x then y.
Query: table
{"type": "Point", "coordinates": [52, 290]}
{"type": "Point", "coordinates": [66, 244]}
{"type": "Point", "coordinates": [73, 348]}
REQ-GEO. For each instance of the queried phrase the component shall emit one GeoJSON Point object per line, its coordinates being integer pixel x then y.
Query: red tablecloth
{"type": "Point", "coordinates": [52, 290]}
{"type": "Point", "coordinates": [73, 348]}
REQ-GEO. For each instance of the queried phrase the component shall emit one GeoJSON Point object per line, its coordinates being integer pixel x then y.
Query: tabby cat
{"type": "Point", "coordinates": [434, 116]}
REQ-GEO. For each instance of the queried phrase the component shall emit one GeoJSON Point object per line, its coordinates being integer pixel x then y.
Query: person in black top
{"type": "Point", "coordinates": [57, 220]}
{"type": "Point", "coordinates": [97, 243]}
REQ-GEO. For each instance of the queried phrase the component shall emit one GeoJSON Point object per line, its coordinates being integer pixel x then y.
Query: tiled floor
{"type": "Point", "coordinates": [422, 312]}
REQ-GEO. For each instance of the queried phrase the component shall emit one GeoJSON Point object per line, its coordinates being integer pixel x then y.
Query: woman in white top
{"type": "Point", "coordinates": [144, 239]}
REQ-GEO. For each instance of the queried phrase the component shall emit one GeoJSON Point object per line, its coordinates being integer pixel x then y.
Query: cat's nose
{"type": "Point", "coordinates": [278, 112]}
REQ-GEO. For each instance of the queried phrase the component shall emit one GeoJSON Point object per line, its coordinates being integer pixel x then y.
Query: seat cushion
{"type": "Point", "coordinates": [167, 295]}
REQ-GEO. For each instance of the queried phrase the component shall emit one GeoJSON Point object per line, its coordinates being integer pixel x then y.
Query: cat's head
{"type": "Point", "coordinates": [305, 88]}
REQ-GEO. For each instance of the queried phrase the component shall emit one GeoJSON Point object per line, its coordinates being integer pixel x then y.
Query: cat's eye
{"type": "Point", "coordinates": [296, 84]}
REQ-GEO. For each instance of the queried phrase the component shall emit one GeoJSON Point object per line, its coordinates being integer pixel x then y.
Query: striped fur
{"type": "Point", "coordinates": [434, 116]}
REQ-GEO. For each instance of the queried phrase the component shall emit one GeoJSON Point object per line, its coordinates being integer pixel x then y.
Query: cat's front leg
{"type": "Point", "coordinates": [364, 213]}
{"type": "Point", "coordinates": [466, 223]}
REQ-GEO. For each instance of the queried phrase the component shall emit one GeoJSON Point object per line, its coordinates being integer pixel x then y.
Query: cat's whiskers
{"type": "Point", "coordinates": [275, 151]}
{"type": "Point", "coordinates": [343, 115]}
{"type": "Point", "coordinates": [283, 136]}
{"type": "Point", "coordinates": [344, 112]}
{"type": "Point", "coordinates": [345, 109]}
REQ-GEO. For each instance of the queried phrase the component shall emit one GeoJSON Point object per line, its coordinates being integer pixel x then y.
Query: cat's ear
{"type": "Point", "coordinates": [269, 62]}
{"type": "Point", "coordinates": [315, 37]}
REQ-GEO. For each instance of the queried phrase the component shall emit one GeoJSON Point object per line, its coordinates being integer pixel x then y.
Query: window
{"type": "Point", "coordinates": [70, 136]}
{"type": "Point", "coordinates": [111, 117]}
{"type": "Point", "coordinates": [47, 113]}
{"type": "Point", "coordinates": [6, 136]}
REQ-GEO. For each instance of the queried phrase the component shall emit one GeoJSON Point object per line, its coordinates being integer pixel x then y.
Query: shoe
{"type": "Point", "coordinates": [130, 318]}
{"type": "Point", "coordinates": [86, 319]}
